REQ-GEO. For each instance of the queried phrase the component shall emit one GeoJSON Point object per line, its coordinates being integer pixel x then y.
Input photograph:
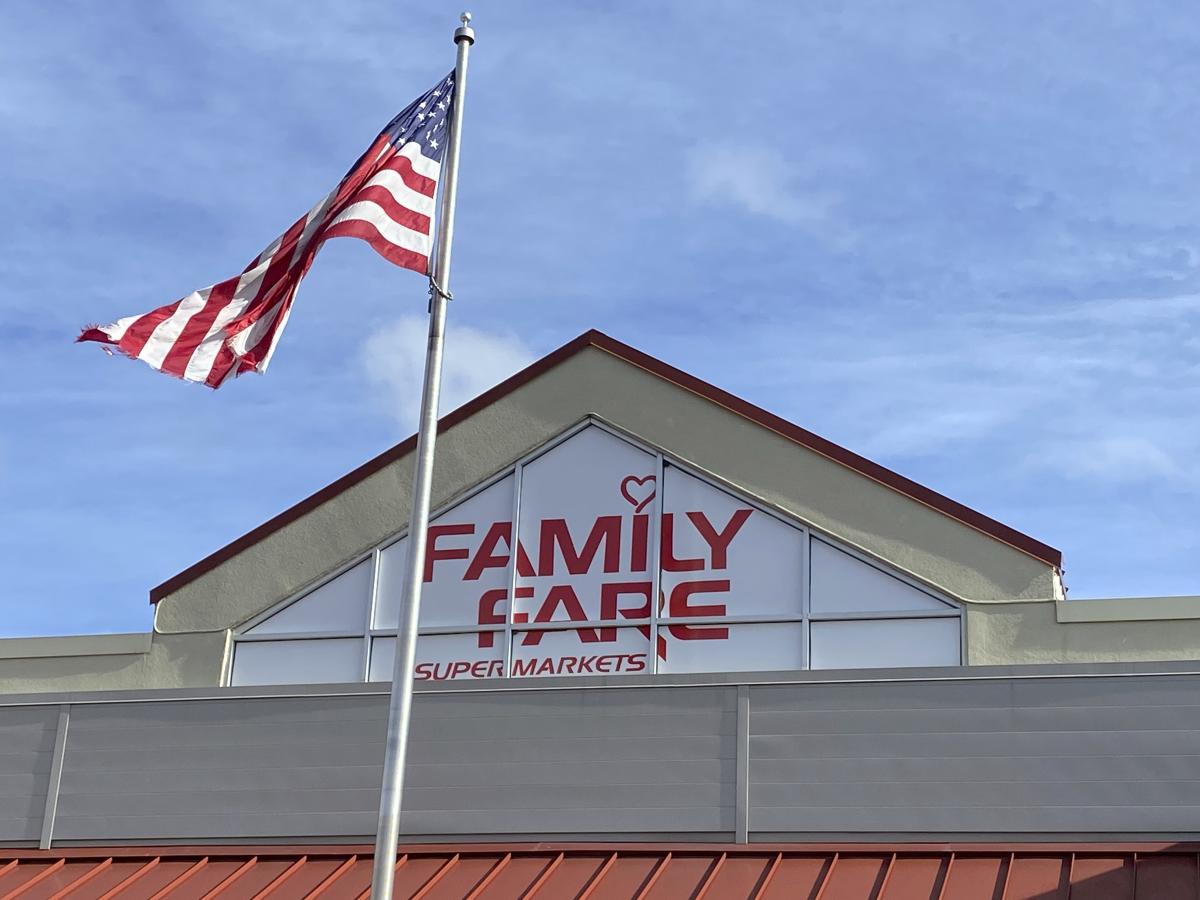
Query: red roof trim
{"type": "Point", "coordinates": [736, 405]}
{"type": "Point", "coordinates": [619, 871]}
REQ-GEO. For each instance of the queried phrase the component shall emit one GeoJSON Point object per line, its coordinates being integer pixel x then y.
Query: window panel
{"type": "Point", "coordinates": [328, 661]}
{"type": "Point", "coordinates": [841, 583]}
{"type": "Point", "coordinates": [582, 651]}
{"type": "Point", "coordinates": [733, 648]}
{"type": "Point", "coordinates": [586, 509]}
{"type": "Point", "coordinates": [443, 657]}
{"type": "Point", "coordinates": [337, 605]}
{"type": "Point", "coordinates": [721, 556]}
{"type": "Point", "coordinates": [467, 559]}
{"type": "Point", "coordinates": [886, 643]}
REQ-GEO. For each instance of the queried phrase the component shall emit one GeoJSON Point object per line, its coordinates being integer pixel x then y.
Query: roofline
{"type": "Point", "coordinates": [600, 341]}
{"type": "Point", "coordinates": [467, 847]}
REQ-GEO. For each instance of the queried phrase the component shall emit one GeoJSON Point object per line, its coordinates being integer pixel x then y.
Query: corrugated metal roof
{"type": "Point", "coordinates": [616, 872]}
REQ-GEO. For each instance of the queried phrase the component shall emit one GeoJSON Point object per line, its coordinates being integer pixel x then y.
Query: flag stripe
{"type": "Point", "coordinates": [386, 199]}
{"type": "Point", "coordinates": [180, 355]}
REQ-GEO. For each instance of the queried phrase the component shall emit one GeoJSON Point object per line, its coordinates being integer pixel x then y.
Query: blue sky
{"type": "Point", "coordinates": [962, 239]}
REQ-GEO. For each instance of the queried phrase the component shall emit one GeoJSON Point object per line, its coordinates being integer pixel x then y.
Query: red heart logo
{"type": "Point", "coordinates": [638, 491]}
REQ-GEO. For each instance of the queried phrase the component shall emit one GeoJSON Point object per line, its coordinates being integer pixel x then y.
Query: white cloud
{"type": "Point", "coordinates": [474, 360]}
{"type": "Point", "coordinates": [1112, 458]}
{"type": "Point", "coordinates": [758, 180]}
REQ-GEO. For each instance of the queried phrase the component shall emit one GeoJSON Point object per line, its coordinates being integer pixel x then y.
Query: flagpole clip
{"type": "Point", "coordinates": [435, 289]}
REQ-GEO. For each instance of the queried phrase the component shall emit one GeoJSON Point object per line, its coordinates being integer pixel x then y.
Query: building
{"type": "Point", "coordinates": [671, 645]}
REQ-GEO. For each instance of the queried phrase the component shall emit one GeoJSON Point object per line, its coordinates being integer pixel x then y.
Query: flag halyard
{"type": "Point", "coordinates": [232, 327]}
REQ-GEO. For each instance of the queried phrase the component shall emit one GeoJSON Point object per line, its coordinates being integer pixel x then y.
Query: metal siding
{"type": "Point", "coordinates": [657, 760]}
{"type": "Point", "coordinates": [1082, 755]}
{"type": "Point", "coordinates": [572, 761]}
{"type": "Point", "coordinates": [1039, 756]}
{"type": "Point", "coordinates": [26, 752]}
{"type": "Point", "coordinates": [244, 768]}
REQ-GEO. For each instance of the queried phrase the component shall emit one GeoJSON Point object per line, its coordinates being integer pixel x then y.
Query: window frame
{"type": "Point", "coordinates": [367, 631]}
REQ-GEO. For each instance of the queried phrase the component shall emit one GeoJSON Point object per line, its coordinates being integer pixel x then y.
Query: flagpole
{"type": "Point", "coordinates": [400, 706]}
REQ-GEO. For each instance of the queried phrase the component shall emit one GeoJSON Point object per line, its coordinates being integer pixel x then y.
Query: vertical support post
{"type": "Point", "coordinates": [55, 781]}
{"type": "Point", "coordinates": [400, 707]}
{"type": "Point", "coordinates": [741, 812]}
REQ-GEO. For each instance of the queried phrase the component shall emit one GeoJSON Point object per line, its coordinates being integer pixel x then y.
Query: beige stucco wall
{"type": "Point", "coordinates": [1080, 631]}
{"type": "Point", "coordinates": [947, 554]}
{"type": "Point", "coordinates": [111, 662]}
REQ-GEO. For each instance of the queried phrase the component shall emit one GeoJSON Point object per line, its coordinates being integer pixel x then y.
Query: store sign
{"type": "Point", "coordinates": [584, 552]}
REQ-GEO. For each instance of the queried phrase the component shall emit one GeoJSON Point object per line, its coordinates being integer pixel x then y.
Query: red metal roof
{"type": "Point", "coordinates": [616, 872]}
{"type": "Point", "coordinates": [657, 367]}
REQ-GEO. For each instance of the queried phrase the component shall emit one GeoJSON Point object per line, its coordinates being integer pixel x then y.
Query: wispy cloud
{"type": "Point", "coordinates": [394, 358]}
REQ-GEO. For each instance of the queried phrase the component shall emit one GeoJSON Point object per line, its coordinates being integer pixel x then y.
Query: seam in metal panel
{"type": "Point", "coordinates": [827, 878]}
{"type": "Point", "coordinates": [710, 877]}
{"type": "Point", "coordinates": [231, 878]}
{"type": "Point", "coordinates": [333, 876]}
{"type": "Point", "coordinates": [50, 810]}
{"type": "Point", "coordinates": [741, 810]}
{"type": "Point", "coordinates": [491, 876]}
{"type": "Point", "coordinates": [597, 876]}
{"type": "Point", "coordinates": [654, 876]}
{"type": "Point", "coordinates": [79, 882]}
{"type": "Point", "coordinates": [175, 882]}
{"type": "Point", "coordinates": [769, 876]}
{"type": "Point", "coordinates": [282, 877]}
{"type": "Point", "coordinates": [37, 879]}
{"type": "Point", "coordinates": [544, 877]}
{"type": "Point", "coordinates": [437, 876]}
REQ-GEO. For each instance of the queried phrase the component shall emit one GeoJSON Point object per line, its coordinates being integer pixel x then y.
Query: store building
{"type": "Point", "coordinates": [671, 645]}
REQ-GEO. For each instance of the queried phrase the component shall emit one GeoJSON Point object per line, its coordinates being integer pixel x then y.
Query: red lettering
{"type": "Point", "coordinates": [495, 668]}
{"type": "Point", "coordinates": [719, 541]}
{"type": "Point", "coordinates": [490, 615]}
{"type": "Point", "coordinates": [486, 556]}
{"type": "Point", "coordinates": [607, 530]}
{"type": "Point", "coordinates": [433, 554]}
{"type": "Point", "coordinates": [546, 667]}
{"type": "Point", "coordinates": [422, 672]}
{"type": "Point", "coordinates": [640, 549]}
{"type": "Point", "coordinates": [604, 663]}
{"type": "Point", "coordinates": [522, 667]}
{"type": "Point", "coordinates": [637, 662]}
{"type": "Point", "coordinates": [459, 668]}
{"type": "Point", "coordinates": [480, 669]}
{"type": "Point", "coordinates": [609, 606]}
{"type": "Point", "coordinates": [566, 664]}
{"type": "Point", "coordinates": [667, 555]}
{"type": "Point", "coordinates": [680, 608]}
{"type": "Point", "coordinates": [560, 595]}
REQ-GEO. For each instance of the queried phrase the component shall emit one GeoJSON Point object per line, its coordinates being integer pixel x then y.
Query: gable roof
{"type": "Point", "coordinates": [659, 369]}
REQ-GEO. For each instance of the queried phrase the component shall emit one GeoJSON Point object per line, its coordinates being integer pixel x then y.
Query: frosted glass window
{"type": "Point", "coordinates": [586, 651]}
{"type": "Point", "coordinates": [885, 643]}
{"type": "Point", "coordinates": [327, 661]}
{"type": "Point", "coordinates": [466, 558]}
{"type": "Point", "coordinates": [841, 583]}
{"type": "Point", "coordinates": [744, 648]}
{"type": "Point", "coordinates": [751, 563]}
{"type": "Point", "coordinates": [586, 508]}
{"type": "Point", "coordinates": [337, 605]}
{"type": "Point", "coordinates": [443, 657]}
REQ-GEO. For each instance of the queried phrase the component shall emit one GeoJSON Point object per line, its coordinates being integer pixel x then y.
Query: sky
{"type": "Point", "coordinates": [960, 239]}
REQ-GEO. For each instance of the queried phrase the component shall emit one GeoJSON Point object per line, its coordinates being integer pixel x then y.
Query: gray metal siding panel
{"type": "Point", "coordinates": [1035, 756]}
{"type": "Point", "coordinates": [26, 750]}
{"type": "Point", "coordinates": [260, 768]}
{"type": "Point", "coordinates": [645, 759]}
{"type": "Point", "coordinates": [553, 762]}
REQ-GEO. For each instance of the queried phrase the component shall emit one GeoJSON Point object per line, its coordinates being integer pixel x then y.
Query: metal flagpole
{"type": "Point", "coordinates": [400, 707]}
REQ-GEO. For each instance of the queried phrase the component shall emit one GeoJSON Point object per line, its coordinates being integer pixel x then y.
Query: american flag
{"type": "Point", "coordinates": [386, 199]}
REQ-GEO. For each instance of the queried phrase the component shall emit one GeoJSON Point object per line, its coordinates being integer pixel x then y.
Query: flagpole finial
{"type": "Point", "coordinates": [464, 32]}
